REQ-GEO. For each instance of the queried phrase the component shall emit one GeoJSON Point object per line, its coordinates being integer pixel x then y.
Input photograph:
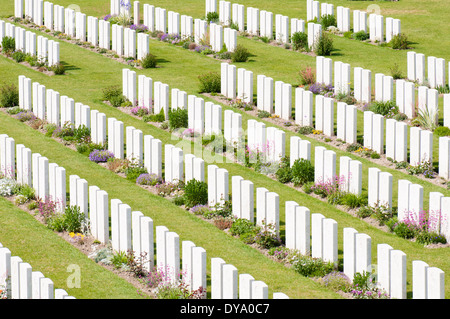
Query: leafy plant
{"type": "Point", "coordinates": [9, 96]}
{"type": "Point", "coordinates": [426, 118]}
{"type": "Point", "coordinates": [178, 118]}
{"type": "Point", "coordinates": [149, 61]}
{"type": "Point", "coordinates": [299, 41]}
{"type": "Point", "coordinates": [240, 54]}
{"type": "Point", "coordinates": [72, 220]}
{"type": "Point", "coordinates": [212, 17]}
{"type": "Point", "coordinates": [209, 83]}
{"type": "Point", "coordinates": [387, 109]}
{"type": "Point", "coordinates": [110, 92]}
{"type": "Point", "coordinates": [399, 42]}
{"type": "Point", "coordinates": [266, 237]}
{"type": "Point", "coordinates": [133, 171]}
{"type": "Point", "coordinates": [263, 114]}
{"type": "Point", "coordinates": [302, 172]}
{"type": "Point", "coordinates": [242, 226]}
{"type": "Point", "coordinates": [305, 130]}
{"type": "Point", "coordinates": [195, 193]}
{"type": "Point", "coordinates": [311, 267]}
{"type": "Point", "coordinates": [8, 44]}
{"type": "Point", "coordinates": [155, 117]}
{"type": "Point", "coordinates": [19, 56]}
{"type": "Point", "coordinates": [361, 35]}
{"type": "Point", "coordinates": [324, 45]}
{"type": "Point", "coordinates": [328, 20]}
{"type": "Point", "coordinates": [442, 131]}
{"type": "Point", "coordinates": [396, 73]}
{"type": "Point", "coordinates": [58, 69]}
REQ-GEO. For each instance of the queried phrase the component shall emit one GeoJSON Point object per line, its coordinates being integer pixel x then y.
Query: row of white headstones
{"type": "Point", "coordinates": [323, 231]}
{"type": "Point", "coordinates": [261, 21]}
{"type": "Point", "coordinates": [47, 51]}
{"type": "Point", "coordinates": [377, 27]}
{"type": "Point", "coordinates": [24, 283]}
{"type": "Point", "coordinates": [421, 140]}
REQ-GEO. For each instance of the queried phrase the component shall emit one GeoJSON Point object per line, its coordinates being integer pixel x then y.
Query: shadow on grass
{"type": "Point", "coordinates": [162, 60]}
{"type": "Point", "coordinates": [69, 67]}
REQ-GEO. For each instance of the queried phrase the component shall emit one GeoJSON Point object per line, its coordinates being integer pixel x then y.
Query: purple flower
{"type": "Point", "coordinates": [148, 179]}
{"type": "Point", "coordinates": [139, 27]}
{"type": "Point", "coordinates": [100, 156]}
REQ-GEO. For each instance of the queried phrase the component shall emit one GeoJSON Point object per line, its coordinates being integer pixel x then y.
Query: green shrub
{"type": "Point", "coordinates": [240, 54]}
{"type": "Point", "coordinates": [195, 193]}
{"type": "Point", "coordinates": [178, 200]}
{"type": "Point", "coordinates": [427, 238]}
{"type": "Point", "coordinates": [155, 117]}
{"type": "Point", "coordinates": [396, 73]}
{"type": "Point", "coordinates": [266, 237]}
{"type": "Point", "coordinates": [352, 200]}
{"type": "Point", "coordinates": [374, 155]}
{"type": "Point", "coordinates": [242, 226]}
{"type": "Point", "coordinates": [19, 56]}
{"type": "Point", "coordinates": [305, 130]}
{"type": "Point", "coordinates": [9, 96]}
{"type": "Point", "coordinates": [283, 175]}
{"type": "Point", "coordinates": [212, 17]}
{"type": "Point", "coordinates": [149, 61]}
{"type": "Point", "coordinates": [399, 42]}
{"type": "Point", "coordinates": [402, 230]}
{"type": "Point", "coordinates": [58, 69]}
{"type": "Point", "coordinates": [111, 91]}
{"type": "Point", "coordinates": [302, 172]}
{"type": "Point", "coordinates": [209, 83]}
{"type": "Point", "coordinates": [361, 35]}
{"type": "Point", "coordinates": [14, 110]}
{"type": "Point", "coordinates": [324, 45]}
{"type": "Point", "coordinates": [363, 280]}
{"type": "Point", "coordinates": [387, 109]}
{"type": "Point", "coordinates": [442, 131]}
{"type": "Point", "coordinates": [26, 191]}
{"type": "Point", "coordinates": [299, 41]}
{"type": "Point", "coordinates": [8, 44]}
{"type": "Point", "coordinates": [311, 267]}
{"type": "Point", "coordinates": [178, 118]}
{"type": "Point", "coordinates": [263, 114]}
{"type": "Point", "coordinates": [72, 220]}
{"type": "Point", "coordinates": [117, 100]}
{"type": "Point", "coordinates": [133, 171]}
{"type": "Point", "coordinates": [328, 20]}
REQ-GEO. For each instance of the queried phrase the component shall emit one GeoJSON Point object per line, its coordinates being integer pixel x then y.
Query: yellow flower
{"type": "Point", "coordinates": [71, 234]}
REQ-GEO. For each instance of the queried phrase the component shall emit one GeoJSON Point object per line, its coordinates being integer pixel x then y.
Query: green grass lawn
{"type": "Point", "coordinates": [88, 73]}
